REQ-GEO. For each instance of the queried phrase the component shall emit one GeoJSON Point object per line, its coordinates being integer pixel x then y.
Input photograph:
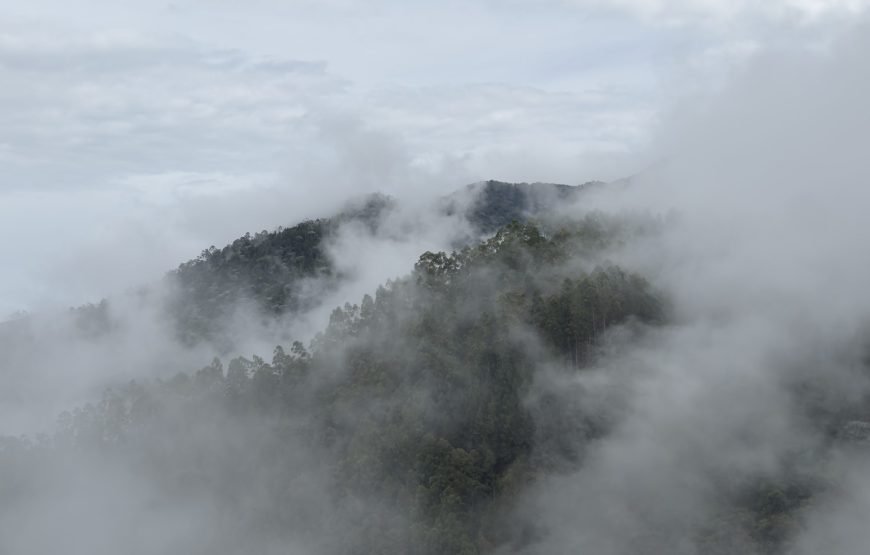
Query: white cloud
{"type": "Point", "coordinates": [219, 102]}
{"type": "Point", "coordinates": [727, 11]}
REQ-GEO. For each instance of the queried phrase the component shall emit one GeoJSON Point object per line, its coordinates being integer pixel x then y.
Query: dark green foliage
{"type": "Point", "coordinates": [415, 399]}
{"type": "Point", "coordinates": [274, 272]}
{"type": "Point", "coordinates": [265, 269]}
{"type": "Point", "coordinates": [288, 270]}
{"type": "Point", "coordinates": [454, 388]}
{"type": "Point", "coordinates": [413, 417]}
{"type": "Point", "coordinates": [500, 203]}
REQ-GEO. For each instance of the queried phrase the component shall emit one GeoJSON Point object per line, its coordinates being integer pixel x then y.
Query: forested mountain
{"type": "Point", "coordinates": [435, 415]}
{"type": "Point", "coordinates": [269, 269]}
{"type": "Point", "coordinates": [496, 203]}
{"type": "Point", "coordinates": [289, 270]}
{"type": "Point", "coordinates": [412, 402]}
{"type": "Point", "coordinates": [418, 421]}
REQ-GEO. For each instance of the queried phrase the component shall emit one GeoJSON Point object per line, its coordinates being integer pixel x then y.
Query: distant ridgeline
{"type": "Point", "coordinates": [496, 203]}
{"type": "Point", "coordinates": [287, 270]}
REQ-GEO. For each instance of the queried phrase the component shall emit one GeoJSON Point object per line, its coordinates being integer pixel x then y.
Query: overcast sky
{"type": "Point", "coordinates": [134, 134]}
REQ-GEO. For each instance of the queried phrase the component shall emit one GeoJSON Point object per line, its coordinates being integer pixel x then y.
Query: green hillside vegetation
{"type": "Point", "coordinates": [282, 271]}
{"type": "Point", "coordinates": [414, 397]}
{"type": "Point", "coordinates": [287, 271]}
{"type": "Point", "coordinates": [414, 422]}
{"type": "Point", "coordinates": [498, 203]}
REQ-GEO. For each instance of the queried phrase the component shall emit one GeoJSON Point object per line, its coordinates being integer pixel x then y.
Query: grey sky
{"type": "Point", "coordinates": [133, 134]}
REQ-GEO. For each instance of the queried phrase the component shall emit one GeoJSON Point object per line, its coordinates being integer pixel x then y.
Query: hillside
{"type": "Point", "coordinates": [274, 269]}
{"type": "Point", "coordinates": [497, 203]}
{"type": "Point", "coordinates": [412, 400]}
{"type": "Point", "coordinates": [288, 271]}
{"type": "Point", "coordinates": [449, 411]}
{"type": "Point", "coordinates": [422, 419]}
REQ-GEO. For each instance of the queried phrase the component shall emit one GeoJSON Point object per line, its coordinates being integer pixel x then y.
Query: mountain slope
{"type": "Point", "coordinates": [450, 412]}
{"type": "Point", "coordinates": [268, 270]}
{"type": "Point", "coordinates": [411, 401]}
{"type": "Point", "coordinates": [495, 204]}
{"type": "Point", "coordinates": [289, 271]}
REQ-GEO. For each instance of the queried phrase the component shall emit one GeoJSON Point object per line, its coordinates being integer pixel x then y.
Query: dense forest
{"type": "Point", "coordinates": [433, 373]}
{"type": "Point", "coordinates": [428, 416]}
{"type": "Point", "coordinates": [288, 271]}
{"type": "Point", "coordinates": [418, 421]}
{"type": "Point", "coordinates": [283, 271]}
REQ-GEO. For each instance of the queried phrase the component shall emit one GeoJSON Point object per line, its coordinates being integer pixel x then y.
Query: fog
{"type": "Point", "coordinates": [54, 360]}
{"type": "Point", "coordinates": [758, 198]}
{"type": "Point", "coordinates": [765, 266]}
